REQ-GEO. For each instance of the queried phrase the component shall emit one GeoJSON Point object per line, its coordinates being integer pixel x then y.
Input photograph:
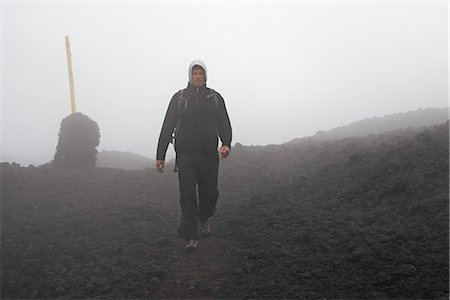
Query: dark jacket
{"type": "Point", "coordinates": [201, 122]}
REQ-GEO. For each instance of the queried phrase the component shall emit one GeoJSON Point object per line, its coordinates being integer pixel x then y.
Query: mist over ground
{"type": "Point", "coordinates": [286, 70]}
{"type": "Point", "coordinates": [355, 218]}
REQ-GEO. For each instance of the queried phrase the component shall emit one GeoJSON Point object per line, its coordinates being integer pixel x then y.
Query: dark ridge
{"type": "Point", "coordinates": [376, 125]}
{"type": "Point", "coordinates": [123, 160]}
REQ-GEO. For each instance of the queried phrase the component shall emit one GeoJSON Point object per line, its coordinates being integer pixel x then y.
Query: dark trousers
{"type": "Point", "coordinates": [197, 174]}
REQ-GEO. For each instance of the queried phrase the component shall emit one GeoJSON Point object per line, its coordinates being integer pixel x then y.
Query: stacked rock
{"type": "Point", "coordinates": [79, 137]}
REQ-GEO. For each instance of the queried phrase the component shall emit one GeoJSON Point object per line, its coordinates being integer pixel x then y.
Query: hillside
{"type": "Point", "coordinates": [376, 125]}
{"type": "Point", "coordinates": [123, 160]}
{"type": "Point", "coordinates": [353, 218]}
{"type": "Point", "coordinates": [413, 119]}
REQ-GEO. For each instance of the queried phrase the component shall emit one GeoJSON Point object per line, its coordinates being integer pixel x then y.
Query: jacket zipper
{"type": "Point", "coordinates": [198, 120]}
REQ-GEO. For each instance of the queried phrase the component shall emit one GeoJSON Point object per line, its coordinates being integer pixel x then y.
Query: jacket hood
{"type": "Point", "coordinates": [196, 63]}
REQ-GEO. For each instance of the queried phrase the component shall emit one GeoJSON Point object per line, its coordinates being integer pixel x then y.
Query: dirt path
{"type": "Point", "coordinates": [202, 273]}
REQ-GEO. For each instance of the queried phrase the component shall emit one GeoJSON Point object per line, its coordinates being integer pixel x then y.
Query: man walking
{"type": "Point", "coordinates": [195, 119]}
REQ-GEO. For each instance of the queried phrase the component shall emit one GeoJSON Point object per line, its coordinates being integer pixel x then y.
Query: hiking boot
{"type": "Point", "coordinates": [203, 228]}
{"type": "Point", "coordinates": [191, 245]}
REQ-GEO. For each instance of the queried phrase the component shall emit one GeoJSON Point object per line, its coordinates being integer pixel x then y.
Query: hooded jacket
{"type": "Point", "coordinates": [201, 122]}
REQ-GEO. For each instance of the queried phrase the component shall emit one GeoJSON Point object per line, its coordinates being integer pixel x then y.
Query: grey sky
{"type": "Point", "coordinates": [285, 69]}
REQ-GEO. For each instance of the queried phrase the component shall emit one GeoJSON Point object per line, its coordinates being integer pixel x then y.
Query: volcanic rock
{"type": "Point", "coordinates": [79, 137]}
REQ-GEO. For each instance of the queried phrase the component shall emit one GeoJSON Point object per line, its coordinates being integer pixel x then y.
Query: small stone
{"type": "Point", "coordinates": [163, 242]}
{"type": "Point", "coordinates": [284, 252]}
{"type": "Point", "coordinates": [261, 254]}
{"type": "Point", "coordinates": [34, 294]}
{"type": "Point", "coordinates": [306, 275]}
{"type": "Point", "coordinates": [277, 244]}
{"type": "Point", "coordinates": [238, 271]}
{"type": "Point", "coordinates": [318, 273]}
{"type": "Point", "coordinates": [248, 267]}
{"type": "Point", "coordinates": [155, 281]}
{"type": "Point", "coordinates": [406, 269]}
{"type": "Point", "coordinates": [143, 292]}
{"type": "Point", "coordinates": [383, 277]}
{"type": "Point", "coordinates": [60, 290]}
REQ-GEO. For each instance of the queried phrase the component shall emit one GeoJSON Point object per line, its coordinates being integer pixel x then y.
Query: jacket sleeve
{"type": "Point", "coordinates": [223, 124]}
{"type": "Point", "coordinates": [170, 121]}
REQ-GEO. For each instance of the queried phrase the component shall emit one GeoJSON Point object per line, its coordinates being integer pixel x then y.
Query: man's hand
{"type": "Point", "coordinates": [160, 166]}
{"type": "Point", "coordinates": [224, 151]}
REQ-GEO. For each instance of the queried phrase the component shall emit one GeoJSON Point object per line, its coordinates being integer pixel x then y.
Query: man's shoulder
{"type": "Point", "coordinates": [211, 92]}
{"type": "Point", "coordinates": [179, 93]}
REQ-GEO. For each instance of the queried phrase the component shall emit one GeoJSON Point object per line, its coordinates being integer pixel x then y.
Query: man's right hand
{"type": "Point", "coordinates": [224, 151]}
{"type": "Point", "coordinates": [160, 166]}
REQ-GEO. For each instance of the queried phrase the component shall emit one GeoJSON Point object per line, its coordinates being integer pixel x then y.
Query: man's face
{"type": "Point", "coordinates": [198, 76]}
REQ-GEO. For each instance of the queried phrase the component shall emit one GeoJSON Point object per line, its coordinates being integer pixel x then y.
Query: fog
{"type": "Point", "coordinates": [285, 70]}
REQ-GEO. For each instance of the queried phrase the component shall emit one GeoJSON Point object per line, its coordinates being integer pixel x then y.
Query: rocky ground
{"type": "Point", "coordinates": [355, 218]}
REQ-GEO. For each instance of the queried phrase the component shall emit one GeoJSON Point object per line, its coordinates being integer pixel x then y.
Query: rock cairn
{"type": "Point", "coordinates": [79, 137]}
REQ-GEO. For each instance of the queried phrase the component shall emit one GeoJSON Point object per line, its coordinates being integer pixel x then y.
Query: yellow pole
{"type": "Point", "coordinates": [69, 64]}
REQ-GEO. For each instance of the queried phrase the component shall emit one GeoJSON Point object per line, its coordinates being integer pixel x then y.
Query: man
{"type": "Point", "coordinates": [196, 116]}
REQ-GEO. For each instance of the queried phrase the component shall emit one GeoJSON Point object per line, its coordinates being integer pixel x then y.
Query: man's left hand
{"type": "Point", "coordinates": [224, 151]}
